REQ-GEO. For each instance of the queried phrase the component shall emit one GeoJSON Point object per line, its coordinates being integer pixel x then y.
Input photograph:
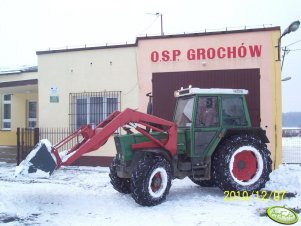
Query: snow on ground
{"type": "Point", "coordinates": [84, 196]}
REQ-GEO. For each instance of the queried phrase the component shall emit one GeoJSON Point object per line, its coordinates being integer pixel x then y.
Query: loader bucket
{"type": "Point", "coordinates": [39, 161]}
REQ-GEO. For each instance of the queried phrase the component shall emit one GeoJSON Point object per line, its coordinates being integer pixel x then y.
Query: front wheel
{"type": "Point", "coordinates": [121, 185]}
{"type": "Point", "coordinates": [242, 163]}
{"type": "Point", "coordinates": [151, 180]}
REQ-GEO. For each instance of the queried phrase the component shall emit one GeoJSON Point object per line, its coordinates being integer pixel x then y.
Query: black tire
{"type": "Point", "coordinates": [203, 183]}
{"type": "Point", "coordinates": [242, 163]}
{"type": "Point", "coordinates": [122, 185]}
{"type": "Point", "coordinates": [151, 180]}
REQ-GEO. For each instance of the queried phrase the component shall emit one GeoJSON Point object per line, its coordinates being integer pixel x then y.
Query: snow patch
{"type": "Point", "coordinates": [285, 178]}
{"type": "Point", "coordinates": [65, 156]}
{"type": "Point", "coordinates": [84, 196]}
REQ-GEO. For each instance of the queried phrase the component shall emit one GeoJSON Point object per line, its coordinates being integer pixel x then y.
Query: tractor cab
{"type": "Point", "coordinates": [203, 114]}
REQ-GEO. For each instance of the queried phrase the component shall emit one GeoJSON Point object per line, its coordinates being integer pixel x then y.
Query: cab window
{"type": "Point", "coordinates": [207, 112]}
{"type": "Point", "coordinates": [233, 111]}
{"type": "Point", "coordinates": [183, 114]}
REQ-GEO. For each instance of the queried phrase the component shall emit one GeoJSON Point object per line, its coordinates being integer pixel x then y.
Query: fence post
{"type": "Point", "coordinates": [36, 137]}
{"type": "Point", "coordinates": [18, 146]}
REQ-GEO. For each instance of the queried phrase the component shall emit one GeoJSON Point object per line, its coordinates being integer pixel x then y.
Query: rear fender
{"type": "Point", "coordinates": [250, 131]}
{"type": "Point", "coordinates": [224, 134]}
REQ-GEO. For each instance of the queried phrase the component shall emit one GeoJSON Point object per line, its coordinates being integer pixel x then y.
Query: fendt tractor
{"type": "Point", "coordinates": [210, 140]}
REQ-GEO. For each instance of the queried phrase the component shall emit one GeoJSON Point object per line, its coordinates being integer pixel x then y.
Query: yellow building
{"type": "Point", "coordinates": [18, 102]}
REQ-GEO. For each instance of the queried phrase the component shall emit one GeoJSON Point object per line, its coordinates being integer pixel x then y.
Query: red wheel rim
{"type": "Point", "coordinates": [156, 182]}
{"type": "Point", "coordinates": [244, 165]}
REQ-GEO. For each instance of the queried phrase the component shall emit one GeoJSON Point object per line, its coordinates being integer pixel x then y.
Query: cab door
{"type": "Point", "coordinates": [206, 125]}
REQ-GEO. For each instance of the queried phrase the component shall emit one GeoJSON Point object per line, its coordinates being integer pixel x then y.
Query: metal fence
{"type": "Point", "coordinates": [26, 140]}
{"type": "Point", "coordinates": [291, 149]}
{"type": "Point", "coordinates": [55, 135]}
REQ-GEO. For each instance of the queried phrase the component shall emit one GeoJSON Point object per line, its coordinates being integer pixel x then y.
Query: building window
{"type": "Point", "coordinates": [6, 112]}
{"type": "Point", "coordinates": [32, 114]}
{"type": "Point", "coordinates": [92, 108]}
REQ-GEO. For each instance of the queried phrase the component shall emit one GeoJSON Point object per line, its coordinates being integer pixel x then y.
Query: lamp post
{"type": "Point", "coordinates": [291, 28]}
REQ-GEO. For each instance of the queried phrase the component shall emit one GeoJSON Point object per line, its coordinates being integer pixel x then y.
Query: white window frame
{"type": "Point", "coordinates": [4, 102]}
{"type": "Point", "coordinates": [31, 119]}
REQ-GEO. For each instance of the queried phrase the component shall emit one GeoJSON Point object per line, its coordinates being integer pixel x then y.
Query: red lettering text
{"type": "Point", "coordinates": [165, 55]}
{"type": "Point", "coordinates": [154, 56]}
{"type": "Point", "coordinates": [255, 51]}
{"type": "Point", "coordinates": [221, 52]}
{"type": "Point", "coordinates": [201, 54]}
{"type": "Point", "coordinates": [231, 52]}
{"type": "Point", "coordinates": [175, 54]}
{"type": "Point", "coordinates": [191, 54]}
{"type": "Point", "coordinates": [211, 53]}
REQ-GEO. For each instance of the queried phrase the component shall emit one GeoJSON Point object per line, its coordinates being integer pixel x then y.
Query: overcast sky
{"type": "Point", "coordinates": [27, 26]}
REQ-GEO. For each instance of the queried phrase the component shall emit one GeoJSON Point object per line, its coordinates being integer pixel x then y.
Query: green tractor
{"type": "Point", "coordinates": [216, 146]}
{"type": "Point", "coordinates": [210, 140]}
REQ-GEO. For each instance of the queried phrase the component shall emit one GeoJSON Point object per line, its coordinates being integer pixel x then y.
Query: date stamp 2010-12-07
{"type": "Point", "coordinates": [255, 195]}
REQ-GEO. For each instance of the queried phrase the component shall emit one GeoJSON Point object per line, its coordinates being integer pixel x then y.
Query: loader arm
{"type": "Point", "coordinates": [93, 139]}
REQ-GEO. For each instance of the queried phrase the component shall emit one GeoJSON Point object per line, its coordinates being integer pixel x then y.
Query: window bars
{"type": "Point", "coordinates": [92, 107]}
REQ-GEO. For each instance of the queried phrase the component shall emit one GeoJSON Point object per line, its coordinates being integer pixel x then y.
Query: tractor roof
{"type": "Point", "coordinates": [191, 91]}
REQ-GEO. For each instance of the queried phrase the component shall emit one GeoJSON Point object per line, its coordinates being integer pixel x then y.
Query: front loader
{"type": "Point", "coordinates": [210, 140]}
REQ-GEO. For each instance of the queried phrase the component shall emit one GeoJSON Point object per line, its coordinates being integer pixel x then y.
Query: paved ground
{"type": "Point", "coordinates": [8, 154]}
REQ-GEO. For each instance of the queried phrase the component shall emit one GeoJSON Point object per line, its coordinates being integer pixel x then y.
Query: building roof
{"type": "Point", "coordinates": [20, 70]}
{"type": "Point", "coordinates": [197, 34]}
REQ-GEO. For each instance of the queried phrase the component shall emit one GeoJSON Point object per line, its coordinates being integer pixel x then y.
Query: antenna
{"type": "Point", "coordinates": [161, 17]}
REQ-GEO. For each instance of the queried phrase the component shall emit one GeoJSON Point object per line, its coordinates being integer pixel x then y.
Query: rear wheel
{"type": "Point", "coordinates": [151, 180]}
{"type": "Point", "coordinates": [123, 185]}
{"type": "Point", "coordinates": [242, 163]}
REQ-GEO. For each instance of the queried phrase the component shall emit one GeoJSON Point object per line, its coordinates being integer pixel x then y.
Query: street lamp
{"type": "Point", "coordinates": [291, 28]}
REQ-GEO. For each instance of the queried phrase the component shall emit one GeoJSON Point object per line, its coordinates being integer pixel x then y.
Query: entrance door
{"type": "Point", "coordinates": [164, 85]}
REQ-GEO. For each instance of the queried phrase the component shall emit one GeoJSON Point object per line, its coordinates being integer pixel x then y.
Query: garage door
{"type": "Point", "coordinates": [164, 85]}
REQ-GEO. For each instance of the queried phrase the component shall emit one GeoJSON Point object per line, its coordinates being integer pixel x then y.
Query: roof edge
{"type": "Point", "coordinates": [85, 48]}
{"type": "Point", "coordinates": [20, 71]}
{"type": "Point", "coordinates": [198, 34]}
